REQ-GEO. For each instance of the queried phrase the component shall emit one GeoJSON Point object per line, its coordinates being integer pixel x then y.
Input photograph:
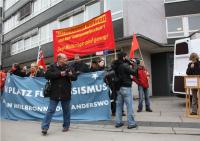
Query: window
{"type": "Point", "coordinates": [194, 22]}
{"type": "Point", "coordinates": [116, 7]}
{"type": "Point", "coordinates": [175, 27]}
{"type": "Point", "coordinates": [27, 43]}
{"type": "Point", "coordinates": [78, 19]}
{"type": "Point", "coordinates": [53, 25]}
{"type": "Point", "coordinates": [16, 19]}
{"type": "Point", "coordinates": [182, 26]}
{"type": "Point", "coordinates": [175, 24]}
{"type": "Point", "coordinates": [25, 11]}
{"type": "Point", "coordinates": [34, 41]}
{"type": "Point", "coordinates": [24, 44]}
{"type": "Point", "coordinates": [44, 34]}
{"type": "Point", "coordinates": [14, 48]}
{"type": "Point", "coordinates": [182, 48]}
{"type": "Point", "coordinates": [44, 3]}
{"type": "Point", "coordinates": [65, 23]}
{"type": "Point", "coordinates": [93, 10]}
{"type": "Point", "coordinates": [36, 6]}
{"type": "Point", "coordinates": [20, 46]}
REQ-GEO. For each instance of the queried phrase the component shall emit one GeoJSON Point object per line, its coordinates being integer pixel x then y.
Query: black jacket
{"type": "Point", "coordinates": [60, 85]}
{"type": "Point", "coordinates": [125, 71]}
{"type": "Point", "coordinates": [195, 70]}
{"type": "Point", "coordinates": [80, 67]}
{"type": "Point", "coordinates": [40, 73]}
{"type": "Point", "coordinates": [18, 72]}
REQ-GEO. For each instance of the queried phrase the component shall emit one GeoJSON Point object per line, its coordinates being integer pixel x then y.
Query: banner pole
{"type": "Point", "coordinates": [115, 54]}
{"type": "Point", "coordinates": [38, 52]}
{"type": "Point", "coordinates": [140, 52]}
{"type": "Point", "coordinates": [105, 60]}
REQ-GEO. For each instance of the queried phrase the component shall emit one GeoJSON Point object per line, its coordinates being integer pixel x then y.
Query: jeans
{"type": "Point", "coordinates": [124, 95]}
{"type": "Point", "coordinates": [51, 110]}
{"type": "Point", "coordinates": [143, 92]}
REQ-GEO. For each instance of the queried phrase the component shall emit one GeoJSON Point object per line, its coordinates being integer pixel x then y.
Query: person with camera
{"type": "Point", "coordinates": [60, 76]}
{"type": "Point", "coordinates": [124, 94]}
{"type": "Point", "coordinates": [194, 69]}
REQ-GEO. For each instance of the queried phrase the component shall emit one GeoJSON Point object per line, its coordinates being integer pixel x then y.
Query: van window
{"type": "Point", "coordinates": [181, 48]}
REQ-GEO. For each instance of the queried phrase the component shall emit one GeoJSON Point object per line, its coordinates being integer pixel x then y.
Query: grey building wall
{"type": "Point", "coordinates": [43, 18]}
{"type": "Point", "coordinates": [1, 14]}
{"type": "Point", "coordinates": [146, 17]}
{"type": "Point", "coordinates": [38, 21]}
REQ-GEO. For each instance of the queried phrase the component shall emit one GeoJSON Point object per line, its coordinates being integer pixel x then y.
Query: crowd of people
{"type": "Point", "coordinates": [119, 78]}
{"type": "Point", "coordinates": [61, 73]}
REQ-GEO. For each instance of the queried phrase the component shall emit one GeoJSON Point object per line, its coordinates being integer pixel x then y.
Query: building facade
{"type": "Point", "coordinates": [28, 24]}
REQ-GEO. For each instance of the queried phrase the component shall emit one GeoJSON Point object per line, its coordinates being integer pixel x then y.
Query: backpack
{"type": "Point", "coordinates": [112, 80]}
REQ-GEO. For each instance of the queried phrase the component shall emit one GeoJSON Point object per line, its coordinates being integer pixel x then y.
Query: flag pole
{"type": "Point", "coordinates": [140, 52]}
{"type": "Point", "coordinates": [38, 52]}
{"type": "Point", "coordinates": [115, 54]}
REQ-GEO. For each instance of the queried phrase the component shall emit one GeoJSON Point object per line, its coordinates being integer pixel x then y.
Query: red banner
{"type": "Point", "coordinates": [89, 37]}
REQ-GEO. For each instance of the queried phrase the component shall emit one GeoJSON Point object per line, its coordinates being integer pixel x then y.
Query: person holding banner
{"type": "Point", "coordinates": [94, 66]}
{"type": "Point", "coordinates": [2, 79]}
{"type": "Point", "coordinates": [101, 64]}
{"type": "Point", "coordinates": [17, 70]}
{"type": "Point", "coordinates": [124, 94]}
{"type": "Point", "coordinates": [78, 65]}
{"type": "Point", "coordinates": [60, 76]}
{"type": "Point", "coordinates": [36, 71]}
{"type": "Point", "coordinates": [33, 70]}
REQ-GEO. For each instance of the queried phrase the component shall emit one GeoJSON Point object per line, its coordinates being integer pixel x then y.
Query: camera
{"type": "Point", "coordinates": [67, 70]}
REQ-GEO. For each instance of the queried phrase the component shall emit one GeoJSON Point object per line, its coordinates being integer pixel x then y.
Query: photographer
{"type": "Point", "coordinates": [124, 94]}
{"type": "Point", "coordinates": [60, 76]}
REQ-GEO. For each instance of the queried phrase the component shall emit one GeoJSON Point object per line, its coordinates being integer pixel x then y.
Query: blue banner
{"type": "Point", "coordinates": [23, 98]}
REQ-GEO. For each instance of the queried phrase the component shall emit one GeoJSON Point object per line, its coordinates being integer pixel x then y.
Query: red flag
{"type": "Point", "coordinates": [40, 59]}
{"type": "Point", "coordinates": [134, 47]}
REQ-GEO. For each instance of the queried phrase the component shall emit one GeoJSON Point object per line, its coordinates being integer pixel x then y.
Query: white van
{"type": "Point", "coordinates": [182, 50]}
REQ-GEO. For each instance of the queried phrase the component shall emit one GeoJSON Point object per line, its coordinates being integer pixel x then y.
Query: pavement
{"type": "Point", "coordinates": [167, 122]}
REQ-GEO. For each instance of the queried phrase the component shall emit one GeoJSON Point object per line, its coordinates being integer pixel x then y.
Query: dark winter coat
{"type": "Point", "coordinates": [80, 67]}
{"type": "Point", "coordinates": [18, 72]}
{"type": "Point", "coordinates": [60, 85]}
{"type": "Point", "coordinates": [195, 70]}
{"type": "Point", "coordinates": [125, 71]}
